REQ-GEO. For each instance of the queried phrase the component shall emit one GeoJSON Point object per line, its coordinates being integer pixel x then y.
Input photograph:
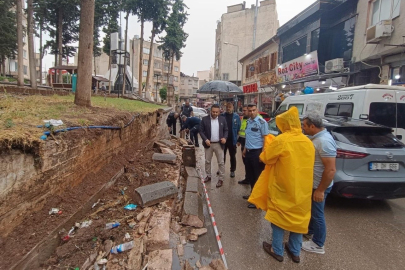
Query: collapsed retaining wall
{"type": "Point", "coordinates": [30, 175]}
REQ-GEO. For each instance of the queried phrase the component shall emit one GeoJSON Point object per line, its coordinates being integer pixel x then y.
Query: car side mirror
{"type": "Point", "coordinates": [399, 137]}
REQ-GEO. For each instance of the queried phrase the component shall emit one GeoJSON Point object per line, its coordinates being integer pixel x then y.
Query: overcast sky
{"type": "Point", "coordinates": [201, 25]}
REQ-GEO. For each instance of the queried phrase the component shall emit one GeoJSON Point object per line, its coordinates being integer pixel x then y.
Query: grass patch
{"type": "Point", "coordinates": [20, 115]}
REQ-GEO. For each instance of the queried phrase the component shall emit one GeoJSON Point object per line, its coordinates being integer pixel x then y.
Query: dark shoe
{"type": "Point", "coordinates": [207, 179]}
{"type": "Point", "coordinates": [243, 182]}
{"type": "Point", "coordinates": [295, 259]}
{"type": "Point", "coordinates": [267, 248]}
{"type": "Point", "coordinates": [252, 206]}
{"type": "Point", "coordinates": [232, 174]}
{"type": "Point", "coordinates": [220, 183]}
{"type": "Point", "coordinates": [246, 197]}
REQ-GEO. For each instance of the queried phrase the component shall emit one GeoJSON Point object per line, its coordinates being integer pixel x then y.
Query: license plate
{"type": "Point", "coordinates": [374, 166]}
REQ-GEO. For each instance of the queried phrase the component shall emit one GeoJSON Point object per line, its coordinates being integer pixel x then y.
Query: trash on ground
{"type": "Point", "coordinates": [122, 247]}
{"type": "Point", "coordinates": [94, 204]}
{"type": "Point", "coordinates": [112, 225]}
{"type": "Point", "coordinates": [55, 211]}
{"type": "Point", "coordinates": [86, 224]}
{"type": "Point", "coordinates": [102, 261]}
{"type": "Point", "coordinates": [130, 207]}
{"type": "Point", "coordinates": [54, 122]}
{"type": "Point", "coordinates": [127, 236]}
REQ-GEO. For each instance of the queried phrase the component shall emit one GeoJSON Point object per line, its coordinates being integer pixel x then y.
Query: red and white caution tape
{"type": "Point", "coordinates": [214, 224]}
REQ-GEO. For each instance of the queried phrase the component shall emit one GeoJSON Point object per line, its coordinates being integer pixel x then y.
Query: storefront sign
{"type": "Point", "coordinates": [251, 88]}
{"type": "Point", "coordinates": [268, 79]}
{"type": "Point", "coordinates": [298, 68]}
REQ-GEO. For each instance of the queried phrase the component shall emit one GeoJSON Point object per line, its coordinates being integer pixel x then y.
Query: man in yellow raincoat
{"type": "Point", "coordinates": [284, 189]}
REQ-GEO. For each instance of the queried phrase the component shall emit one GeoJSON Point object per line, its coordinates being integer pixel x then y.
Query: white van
{"type": "Point", "coordinates": [381, 104]}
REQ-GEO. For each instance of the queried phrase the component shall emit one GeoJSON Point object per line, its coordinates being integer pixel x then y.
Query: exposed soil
{"type": "Point", "coordinates": [73, 253]}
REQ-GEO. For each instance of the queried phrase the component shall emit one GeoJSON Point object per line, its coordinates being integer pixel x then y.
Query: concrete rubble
{"type": "Point", "coordinates": [155, 193]}
{"type": "Point", "coordinates": [166, 158]}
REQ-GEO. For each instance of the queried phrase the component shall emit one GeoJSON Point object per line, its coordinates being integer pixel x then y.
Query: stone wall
{"type": "Point", "coordinates": [29, 176]}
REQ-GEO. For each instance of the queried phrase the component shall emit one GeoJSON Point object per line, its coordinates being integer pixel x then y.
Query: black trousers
{"type": "Point", "coordinates": [242, 145]}
{"type": "Point", "coordinates": [173, 125]}
{"type": "Point", "coordinates": [194, 134]}
{"type": "Point", "coordinates": [232, 153]}
{"type": "Point", "coordinates": [254, 166]}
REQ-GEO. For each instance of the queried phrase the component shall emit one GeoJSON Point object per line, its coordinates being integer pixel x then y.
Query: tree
{"type": "Point", "coordinates": [83, 92]}
{"type": "Point", "coordinates": [174, 40]}
{"type": "Point", "coordinates": [20, 76]}
{"type": "Point", "coordinates": [31, 52]}
{"type": "Point", "coordinates": [163, 93]}
{"type": "Point", "coordinates": [8, 36]}
{"type": "Point", "coordinates": [40, 15]}
{"type": "Point", "coordinates": [160, 11]}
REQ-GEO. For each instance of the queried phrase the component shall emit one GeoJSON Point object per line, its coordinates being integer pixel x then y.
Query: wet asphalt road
{"type": "Point", "coordinates": [362, 234]}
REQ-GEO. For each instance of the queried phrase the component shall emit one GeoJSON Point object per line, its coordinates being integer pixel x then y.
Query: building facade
{"type": "Point", "coordinates": [235, 36]}
{"type": "Point", "coordinates": [188, 87]}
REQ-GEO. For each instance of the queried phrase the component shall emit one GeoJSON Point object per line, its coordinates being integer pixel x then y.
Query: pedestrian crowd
{"type": "Point", "coordinates": [290, 175]}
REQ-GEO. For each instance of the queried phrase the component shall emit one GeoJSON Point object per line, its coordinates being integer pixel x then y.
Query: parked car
{"type": "Point", "coordinates": [199, 112]}
{"type": "Point", "coordinates": [370, 160]}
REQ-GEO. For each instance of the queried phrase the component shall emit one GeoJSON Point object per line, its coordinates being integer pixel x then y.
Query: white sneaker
{"type": "Point", "coordinates": [310, 246]}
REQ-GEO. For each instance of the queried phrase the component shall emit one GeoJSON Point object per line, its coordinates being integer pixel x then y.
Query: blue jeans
{"type": "Point", "coordinates": [317, 225]}
{"type": "Point", "coordinates": [294, 241]}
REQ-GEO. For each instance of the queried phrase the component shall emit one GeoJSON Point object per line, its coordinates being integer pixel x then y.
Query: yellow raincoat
{"type": "Point", "coordinates": [284, 189]}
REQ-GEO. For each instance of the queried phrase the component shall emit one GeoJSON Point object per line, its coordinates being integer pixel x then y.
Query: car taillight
{"type": "Point", "coordinates": [350, 154]}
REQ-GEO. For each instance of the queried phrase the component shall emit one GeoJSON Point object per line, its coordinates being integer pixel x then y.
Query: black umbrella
{"type": "Point", "coordinates": [218, 87]}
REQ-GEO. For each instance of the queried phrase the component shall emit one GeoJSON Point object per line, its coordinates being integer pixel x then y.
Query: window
{"type": "Point", "coordinates": [273, 60]}
{"type": "Point", "coordinates": [166, 67]}
{"type": "Point", "coordinates": [339, 109]}
{"type": "Point", "coordinates": [383, 113]}
{"type": "Point", "coordinates": [300, 107]}
{"type": "Point", "coordinates": [157, 64]}
{"type": "Point", "coordinates": [225, 76]}
{"type": "Point", "coordinates": [401, 115]}
{"type": "Point", "coordinates": [176, 79]}
{"type": "Point", "coordinates": [367, 137]}
{"type": "Point", "coordinates": [145, 62]}
{"type": "Point", "coordinates": [176, 69]}
{"type": "Point", "coordinates": [295, 49]}
{"type": "Point", "coordinates": [196, 82]}
{"type": "Point", "coordinates": [146, 50]}
{"type": "Point", "coordinates": [190, 82]}
{"type": "Point", "coordinates": [25, 54]}
{"type": "Point", "coordinates": [25, 70]}
{"type": "Point", "coordinates": [384, 10]}
{"type": "Point", "coordinates": [281, 109]}
{"type": "Point", "coordinates": [182, 82]}
{"type": "Point", "coordinates": [176, 88]}
{"type": "Point", "coordinates": [145, 73]}
{"type": "Point", "coordinates": [315, 40]}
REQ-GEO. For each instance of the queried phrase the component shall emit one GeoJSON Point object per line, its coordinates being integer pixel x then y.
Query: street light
{"type": "Point", "coordinates": [237, 58]}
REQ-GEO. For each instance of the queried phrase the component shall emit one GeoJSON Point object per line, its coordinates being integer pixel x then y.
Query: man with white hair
{"type": "Point", "coordinates": [324, 171]}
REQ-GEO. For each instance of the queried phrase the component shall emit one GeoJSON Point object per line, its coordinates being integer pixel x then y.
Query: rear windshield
{"type": "Point", "coordinates": [367, 137]}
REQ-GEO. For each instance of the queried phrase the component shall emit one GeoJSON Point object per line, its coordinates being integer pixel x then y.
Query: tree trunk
{"type": "Point", "coordinates": [95, 73]}
{"type": "Point", "coordinates": [83, 91]}
{"type": "Point", "coordinates": [141, 58]}
{"type": "Point", "coordinates": [40, 54]}
{"type": "Point", "coordinates": [31, 52]}
{"type": "Point", "coordinates": [60, 52]}
{"type": "Point", "coordinates": [150, 59]}
{"type": "Point", "coordinates": [109, 81]}
{"type": "Point", "coordinates": [125, 50]}
{"type": "Point", "coordinates": [3, 66]}
{"type": "Point", "coordinates": [20, 59]}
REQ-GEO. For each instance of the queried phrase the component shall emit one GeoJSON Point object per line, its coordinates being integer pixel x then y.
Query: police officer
{"type": "Point", "coordinates": [192, 124]}
{"type": "Point", "coordinates": [171, 122]}
{"type": "Point", "coordinates": [256, 129]}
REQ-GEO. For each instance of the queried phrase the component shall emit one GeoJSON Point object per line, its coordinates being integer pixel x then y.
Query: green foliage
{"type": "Point", "coordinates": [176, 98]}
{"type": "Point", "coordinates": [8, 123]}
{"type": "Point", "coordinates": [163, 93]}
{"type": "Point", "coordinates": [111, 15]}
{"type": "Point", "coordinates": [8, 30]}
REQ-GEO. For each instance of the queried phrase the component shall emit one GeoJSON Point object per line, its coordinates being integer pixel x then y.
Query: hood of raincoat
{"type": "Point", "coordinates": [289, 121]}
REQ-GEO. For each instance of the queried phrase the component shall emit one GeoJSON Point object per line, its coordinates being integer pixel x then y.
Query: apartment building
{"type": "Point", "coordinates": [236, 36]}
{"type": "Point", "coordinates": [188, 87]}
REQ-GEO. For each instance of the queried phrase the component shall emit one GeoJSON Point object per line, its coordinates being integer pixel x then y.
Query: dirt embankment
{"type": "Point", "coordinates": [65, 172]}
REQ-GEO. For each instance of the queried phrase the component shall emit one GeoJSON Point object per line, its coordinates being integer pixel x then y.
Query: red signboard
{"type": "Point", "coordinates": [251, 88]}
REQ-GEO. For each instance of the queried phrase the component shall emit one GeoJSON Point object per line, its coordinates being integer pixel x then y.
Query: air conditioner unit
{"type": "Point", "coordinates": [379, 31]}
{"type": "Point", "coordinates": [334, 65]}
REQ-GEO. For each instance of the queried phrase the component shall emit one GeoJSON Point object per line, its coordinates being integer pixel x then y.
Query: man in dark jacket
{"type": "Point", "coordinates": [233, 122]}
{"type": "Point", "coordinates": [214, 132]}
{"type": "Point", "coordinates": [192, 124]}
{"type": "Point", "coordinates": [171, 122]}
{"type": "Point", "coordinates": [187, 110]}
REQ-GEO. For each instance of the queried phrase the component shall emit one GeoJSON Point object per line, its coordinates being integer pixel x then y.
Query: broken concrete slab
{"type": "Point", "coordinates": [168, 143]}
{"type": "Point", "coordinates": [193, 185]}
{"type": "Point", "coordinates": [192, 237]}
{"type": "Point", "coordinates": [217, 265]}
{"type": "Point", "coordinates": [155, 193]}
{"type": "Point", "coordinates": [135, 255]}
{"type": "Point", "coordinates": [166, 150]}
{"type": "Point", "coordinates": [199, 232]}
{"type": "Point", "coordinates": [190, 171]}
{"type": "Point", "coordinates": [164, 158]}
{"type": "Point", "coordinates": [160, 260]}
{"type": "Point", "coordinates": [193, 210]}
{"type": "Point", "coordinates": [159, 234]}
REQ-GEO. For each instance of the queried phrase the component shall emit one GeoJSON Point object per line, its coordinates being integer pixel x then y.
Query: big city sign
{"type": "Point", "coordinates": [304, 66]}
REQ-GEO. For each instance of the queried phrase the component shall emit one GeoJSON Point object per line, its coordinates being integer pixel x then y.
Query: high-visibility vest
{"type": "Point", "coordinates": [242, 128]}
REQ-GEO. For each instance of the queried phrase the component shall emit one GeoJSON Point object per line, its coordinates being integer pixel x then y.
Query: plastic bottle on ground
{"type": "Point", "coordinates": [122, 247]}
{"type": "Point", "coordinates": [112, 225]}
